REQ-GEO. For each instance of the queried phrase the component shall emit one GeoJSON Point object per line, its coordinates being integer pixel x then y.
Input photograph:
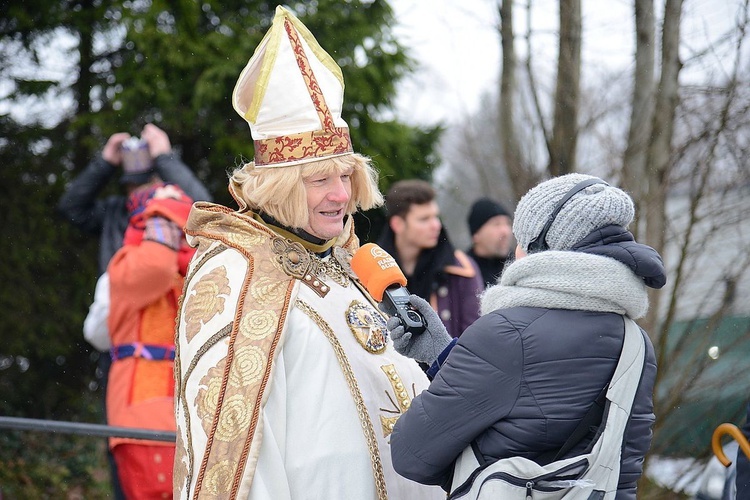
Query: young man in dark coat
{"type": "Point", "coordinates": [447, 278]}
{"type": "Point", "coordinates": [522, 377]}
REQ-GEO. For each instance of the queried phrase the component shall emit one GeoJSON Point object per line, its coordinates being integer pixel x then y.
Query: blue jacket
{"type": "Point", "coordinates": [520, 391]}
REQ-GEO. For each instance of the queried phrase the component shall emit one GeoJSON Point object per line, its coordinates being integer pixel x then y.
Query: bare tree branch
{"type": "Point", "coordinates": [634, 160]}
{"type": "Point", "coordinates": [562, 154]}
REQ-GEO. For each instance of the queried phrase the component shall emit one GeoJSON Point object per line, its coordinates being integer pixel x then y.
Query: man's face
{"type": "Point", "coordinates": [494, 237]}
{"type": "Point", "coordinates": [421, 226]}
{"type": "Point", "coordinates": [327, 199]}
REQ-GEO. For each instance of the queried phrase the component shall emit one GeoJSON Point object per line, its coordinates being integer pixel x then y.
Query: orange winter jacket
{"type": "Point", "coordinates": [146, 280]}
{"type": "Point", "coordinates": [145, 287]}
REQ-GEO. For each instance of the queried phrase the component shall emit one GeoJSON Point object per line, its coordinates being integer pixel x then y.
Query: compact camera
{"type": "Point", "coordinates": [135, 156]}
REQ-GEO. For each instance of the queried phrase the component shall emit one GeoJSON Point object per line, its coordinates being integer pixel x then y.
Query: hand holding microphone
{"type": "Point", "coordinates": [411, 316]}
{"type": "Point", "coordinates": [382, 277]}
{"type": "Point", "coordinates": [427, 346]}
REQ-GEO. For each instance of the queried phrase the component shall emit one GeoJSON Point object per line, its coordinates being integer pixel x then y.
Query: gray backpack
{"type": "Point", "coordinates": [592, 475]}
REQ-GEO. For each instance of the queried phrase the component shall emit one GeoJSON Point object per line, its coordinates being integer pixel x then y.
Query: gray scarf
{"type": "Point", "coordinates": [568, 280]}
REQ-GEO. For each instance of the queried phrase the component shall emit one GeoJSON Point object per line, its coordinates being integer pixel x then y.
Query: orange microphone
{"type": "Point", "coordinates": [384, 280]}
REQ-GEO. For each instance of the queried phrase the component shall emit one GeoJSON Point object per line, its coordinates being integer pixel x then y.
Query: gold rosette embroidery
{"type": "Point", "coordinates": [234, 418]}
{"type": "Point", "coordinates": [257, 325]}
{"type": "Point", "coordinates": [268, 291]}
{"type": "Point", "coordinates": [247, 367]}
{"type": "Point", "coordinates": [208, 396]}
{"type": "Point", "coordinates": [220, 477]}
{"type": "Point", "coordinates": [243, 239]}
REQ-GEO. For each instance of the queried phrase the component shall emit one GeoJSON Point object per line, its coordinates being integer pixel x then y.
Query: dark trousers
{"type": "Point", "coordinates": [743, 465]}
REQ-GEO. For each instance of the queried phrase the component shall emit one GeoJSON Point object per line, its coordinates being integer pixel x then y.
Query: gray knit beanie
{"type": "Point", "coordinates": [593, 208]}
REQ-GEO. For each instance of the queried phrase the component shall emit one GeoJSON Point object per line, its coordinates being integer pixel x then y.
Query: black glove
{"type": "Point", "coordinates": [424, 347]}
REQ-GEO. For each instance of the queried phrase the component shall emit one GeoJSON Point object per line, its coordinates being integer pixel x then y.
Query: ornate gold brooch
{"type": "Point", "coordinates": [367, 326]}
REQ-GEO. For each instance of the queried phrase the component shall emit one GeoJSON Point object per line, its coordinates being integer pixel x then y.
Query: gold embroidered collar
{"type": "Point", "coordinates": [286, 233]}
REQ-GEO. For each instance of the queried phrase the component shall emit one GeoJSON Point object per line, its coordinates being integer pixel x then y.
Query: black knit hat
{"type": "Point", "coordinates": [483, 210]}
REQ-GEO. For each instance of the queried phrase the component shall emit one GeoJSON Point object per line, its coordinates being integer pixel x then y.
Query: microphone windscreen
{"type": "Point", "coordinates": [376, 269]}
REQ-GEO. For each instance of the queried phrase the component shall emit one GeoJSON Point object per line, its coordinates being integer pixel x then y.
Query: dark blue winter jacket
{"type": "Point", "coordinates": [518, 382]}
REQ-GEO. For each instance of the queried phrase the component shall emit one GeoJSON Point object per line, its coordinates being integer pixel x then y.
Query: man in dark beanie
{"type": "Point", "coordinates": [490, 226]}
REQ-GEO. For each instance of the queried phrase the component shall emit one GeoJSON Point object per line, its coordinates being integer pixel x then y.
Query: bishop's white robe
{"type": "Point", "coordinates": [288, 385]}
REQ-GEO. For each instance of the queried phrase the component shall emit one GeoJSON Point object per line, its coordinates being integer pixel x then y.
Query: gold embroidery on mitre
{"type": "Point", "coordinates": [316, 94]}
{"type": "Point", "coordinates": [367, 326]}
{"type": "Point", "coordinates": [205, 300]}
{"type": "Point", "coordinates": [401, 402]}
{"type": "Point", "coordinates": [220, 477]}
{"type": "Point", "coordinates": [302, 146]}
{"type": "Point", "coordinates": [330, 141]}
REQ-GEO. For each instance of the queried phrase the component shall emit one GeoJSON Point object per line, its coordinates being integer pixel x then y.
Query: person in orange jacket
{"type": "Point", "coordinates": [146, 278]}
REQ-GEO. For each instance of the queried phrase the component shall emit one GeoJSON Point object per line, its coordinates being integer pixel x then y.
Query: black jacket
{"type": "Point", "coordinates": [491, 267]}
{"type": "Point", "coordinates": [743, 464]}
{"type": "Point", "coordinates": [108, 217]}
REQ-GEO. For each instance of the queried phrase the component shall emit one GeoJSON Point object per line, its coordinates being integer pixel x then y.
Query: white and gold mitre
{"type": "Point", "coordinates": [291, 93]}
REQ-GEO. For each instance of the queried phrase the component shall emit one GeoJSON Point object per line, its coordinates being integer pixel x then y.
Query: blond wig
{"type": "Point", "coordinates": [280, 191]}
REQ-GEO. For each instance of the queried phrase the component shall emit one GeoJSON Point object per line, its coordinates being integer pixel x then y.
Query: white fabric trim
{"type": "Point", "coordinates": [95, 329]}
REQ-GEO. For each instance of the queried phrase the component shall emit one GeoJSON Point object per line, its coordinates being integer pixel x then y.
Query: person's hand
{"type": "Point", "coordinates": [112, 152]}
{"type": "Point", "coordinates": [157, 140]}
{"type": "Point", "coordinates": [426, 346]}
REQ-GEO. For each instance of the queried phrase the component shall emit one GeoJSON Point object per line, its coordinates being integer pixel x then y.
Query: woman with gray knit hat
{"type": "Point", "coordinates": [520, 379]}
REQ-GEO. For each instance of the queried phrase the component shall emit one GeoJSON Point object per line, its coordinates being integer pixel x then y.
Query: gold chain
{"type": "Point", "coordinates": [364, 418]}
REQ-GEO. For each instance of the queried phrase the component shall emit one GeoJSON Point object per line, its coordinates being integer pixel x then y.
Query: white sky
{"type": "Point", "coordinates": [458, 47]}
